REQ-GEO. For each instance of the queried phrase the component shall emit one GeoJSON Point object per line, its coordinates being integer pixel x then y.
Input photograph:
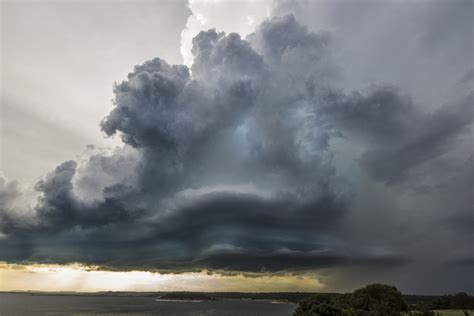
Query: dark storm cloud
{"type": "Point", "coordinates": [59, 209]}
{"type": "Point", "coordinates": [224, 231]}
{"type": "Point", "coordinates": [429, 138]}
{"type": "Point", "coordinates": [161, 107]}
{"type": "Point", "coordinates": [422, 47]}
{"type": "Point", "coordinates": [467, 78]}
{"type": "Point", "coordinates": [232, 164]}
{"type": "Point", "coordinates": [467, 261]}
{"type": "Point", "coordinates": [392, 126]}
{"type": "Point", "coordinates": [209, 160]}
{"type": "Point", "coordinates": [9, 192]}
{"type": "Point", "coordinates": [282, 39]}
{"type": "Point", "coordinates": [261, 262]}
{"type": "Point", "coordinates": [153, 86]}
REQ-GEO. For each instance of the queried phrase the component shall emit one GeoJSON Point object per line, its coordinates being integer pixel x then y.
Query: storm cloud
{"type": "Point", "coordinates": [246, 162]}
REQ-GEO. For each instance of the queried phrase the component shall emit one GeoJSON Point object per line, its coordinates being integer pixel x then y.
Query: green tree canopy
{"type": "Point", "coordinates": [378, 300]}
{"type": "Point", "coordinates": [372, 300]}
{"type": "Point", "coordinates": [324, 305]}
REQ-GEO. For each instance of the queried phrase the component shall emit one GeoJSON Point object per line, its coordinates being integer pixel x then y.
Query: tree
{"type": "Point", "coordinates": [378, 300]}
{"type": "Point", "coordinates": [372, 300]}
{"type": "Point", "coordinates": [456, 301]}
{"type": "Point", "coordinates": [324, 305]}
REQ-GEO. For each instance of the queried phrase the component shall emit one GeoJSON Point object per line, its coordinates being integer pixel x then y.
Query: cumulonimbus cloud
{"type": "Point", "coordinates": [230, 164]}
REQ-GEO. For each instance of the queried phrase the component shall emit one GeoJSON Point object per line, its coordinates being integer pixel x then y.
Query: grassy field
{"type": "Point", "coordinates": [453, 312]}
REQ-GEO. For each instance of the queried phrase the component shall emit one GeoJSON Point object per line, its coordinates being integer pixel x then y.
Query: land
{"type": "Point", "coordinates": [290, 297]}
{"type": "Point", "coordinates": [452, 312]}
{"type": "Point", "coordinates": [413, 301]}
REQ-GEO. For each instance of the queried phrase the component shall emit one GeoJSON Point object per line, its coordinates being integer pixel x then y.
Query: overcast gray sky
{"type": "Point", "coordinates": [60, 60]}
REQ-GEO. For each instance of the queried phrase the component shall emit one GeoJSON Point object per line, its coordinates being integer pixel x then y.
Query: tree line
{"type": "Point", "coordinates": [379, 300]}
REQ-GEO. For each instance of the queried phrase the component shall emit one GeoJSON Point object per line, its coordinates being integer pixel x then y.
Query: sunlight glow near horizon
{"type": "Point", "coordinates": [81, 278]}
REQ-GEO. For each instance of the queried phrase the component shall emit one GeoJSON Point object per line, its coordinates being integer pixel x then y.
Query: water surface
{"type": "Point", "coordinates": [28, 305]}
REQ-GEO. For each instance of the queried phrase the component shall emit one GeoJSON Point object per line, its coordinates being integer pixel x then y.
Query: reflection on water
{"type": "Point", "coordinates": [27, 305]}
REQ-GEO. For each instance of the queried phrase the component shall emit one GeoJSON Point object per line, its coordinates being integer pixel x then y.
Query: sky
{"type": "Point", "coordinates": [233, 145]}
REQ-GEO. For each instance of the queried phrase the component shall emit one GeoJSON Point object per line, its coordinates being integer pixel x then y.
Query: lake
{"type": "Point", "coordinates": [26, 305]}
